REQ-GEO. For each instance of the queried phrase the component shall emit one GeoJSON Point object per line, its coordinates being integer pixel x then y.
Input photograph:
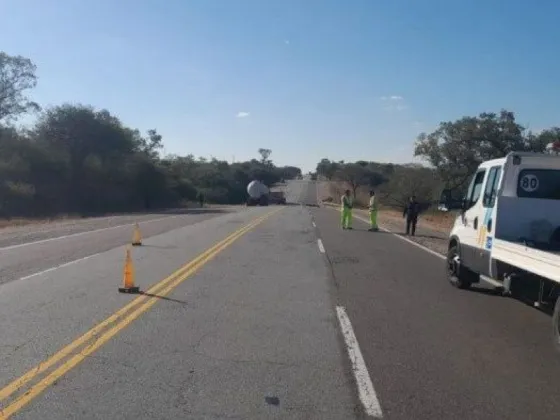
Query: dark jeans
{"type": "Point", "coordinates": [411, 225]}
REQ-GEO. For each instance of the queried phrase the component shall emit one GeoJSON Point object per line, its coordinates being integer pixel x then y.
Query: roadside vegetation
{"type": "Point", "coordinates": [74, 159]}
{"type": "Point", "coordinates": [451, 153]}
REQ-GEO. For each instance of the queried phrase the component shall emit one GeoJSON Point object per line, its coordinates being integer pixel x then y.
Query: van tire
{"type": "Point", "coordinates": [556, 325]}
{"type": "Point", "coordinates": [458, 276]}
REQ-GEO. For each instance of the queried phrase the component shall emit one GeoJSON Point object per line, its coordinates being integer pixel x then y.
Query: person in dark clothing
{"type": "Point", "coordinates": [201, 199]}
{"type": "Point", "coordinates": [411, 212]}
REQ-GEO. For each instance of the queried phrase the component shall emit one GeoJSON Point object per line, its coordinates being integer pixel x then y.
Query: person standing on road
{"type": "Point", "coordinates": [411, 212]}
{"type": "Point", "coordinates": [346, 210]}
{"type": "Point", "coordinates": [373, 212]}
{"type": "Point", "coordinates": [201, 199]}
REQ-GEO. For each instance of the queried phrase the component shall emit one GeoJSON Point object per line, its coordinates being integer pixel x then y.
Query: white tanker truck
{"type": "Point", "coordinates": [258, 194]}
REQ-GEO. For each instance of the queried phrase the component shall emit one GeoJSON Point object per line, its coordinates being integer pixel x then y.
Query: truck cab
{"type": "Point", "coordinates": [473, 231]}
{"type": "Point", "coordinates": [514, 199]}
{"type": "Point", "coordinates": [507, 231]}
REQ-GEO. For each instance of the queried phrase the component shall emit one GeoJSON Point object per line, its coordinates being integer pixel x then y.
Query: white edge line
{"type": "Point", "coordinates": [42, 241]}
{"type": "Point", "coordinates": [431, 251]}
{"type": "Point", "coordinates": [313, 223]}
{"type": "Point", "coordinates": [321, 246]}
{"type": "Point", "coordinates": [56, 267]}
{"type": "Point", "coordinates": [416, 244]}
{"type": "Point", "coordinates": [367, 394]}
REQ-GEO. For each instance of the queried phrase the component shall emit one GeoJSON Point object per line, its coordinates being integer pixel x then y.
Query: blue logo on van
{"type": "Point", "coordinates": [488, 242]}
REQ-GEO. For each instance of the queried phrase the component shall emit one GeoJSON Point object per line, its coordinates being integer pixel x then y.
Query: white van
{"type": "Point", "coordinates": [508, 230]}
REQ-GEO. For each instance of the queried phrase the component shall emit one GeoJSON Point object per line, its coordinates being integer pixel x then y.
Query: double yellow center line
{"type": "Point", "coordinates": [100, 334]}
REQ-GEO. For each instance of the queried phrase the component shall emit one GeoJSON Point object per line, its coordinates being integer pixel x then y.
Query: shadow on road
{"type": "Point", "coordinates": [159, 246]}
{"type": "Point", "coordinates": [484, 290]}
{"type": "Point", "coordinates": [182, 302]}
{"type": "Point", "coordinates": [522, 297]}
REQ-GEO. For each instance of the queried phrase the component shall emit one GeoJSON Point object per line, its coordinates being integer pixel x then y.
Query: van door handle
{"type": "Point", "coordinates": [475, 223]}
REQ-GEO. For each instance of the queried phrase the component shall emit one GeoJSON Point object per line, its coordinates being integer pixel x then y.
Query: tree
{"type": "Point", "coordinates": [328, 168]}
{"type": "Point", "coordinates": [265, 154]}
{"type": "Point", "coordinates": [456, 148]}
{"type": "Point", "coordinates": [79, 159]}
{"type": "Point", "coordinates": [545, 137]}
{"type": "Point", "coordinates": [289, 172]}
{"type": "Point", "coordinates": [17, 76]}
{"type": "Point", "coordinates": [408, 180]}
{"type": "Point", "coordinates": [354, 175]}
{"type": "Point", "coordinates": [92, 145]}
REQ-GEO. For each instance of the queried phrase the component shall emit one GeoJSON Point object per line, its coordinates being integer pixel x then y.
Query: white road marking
{"type": "Point", "coordinates": [368, 397]}
{"type": "Point", "coordinates": [416, 244]}
{"type": "Point", "coordinates": [313, 223]}
{"type": "Point", "coordinates": [317, 191]}
{"type": "Point", "coordinates": [321, 247]}
{"type": "Point", "coordinates": [56, 267]}
{"type": "Point", "coordinates": [42, 241]}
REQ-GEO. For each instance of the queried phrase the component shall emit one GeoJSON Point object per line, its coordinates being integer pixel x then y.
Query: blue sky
{"type": "Point", "coordinates": [354, 79]}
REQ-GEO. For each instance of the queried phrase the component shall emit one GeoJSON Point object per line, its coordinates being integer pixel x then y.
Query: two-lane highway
{"type": "Point", "coordinates": [266, 313]}
{"type": "Point", "coordinates": [237, 322]}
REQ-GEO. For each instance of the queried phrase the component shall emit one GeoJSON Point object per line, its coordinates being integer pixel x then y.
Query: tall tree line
{"type": "Point", "coordinates": [77, 159]}
{"type": "Point", "coordinates": [453, 152]}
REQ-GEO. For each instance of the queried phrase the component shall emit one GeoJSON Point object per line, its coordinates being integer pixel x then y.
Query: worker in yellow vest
{"type": "Point", "coordinates": [373, 212]}
{"type": "Point", "coordinates": [346, 210]}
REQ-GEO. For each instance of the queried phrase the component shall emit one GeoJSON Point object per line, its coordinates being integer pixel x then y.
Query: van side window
{"type": "Point", "coordinates": [475, 189]}
{"type": "Point", "coordinates": [491, 190]}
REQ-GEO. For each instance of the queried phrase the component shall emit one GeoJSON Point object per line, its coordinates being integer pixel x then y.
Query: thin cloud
{"type": "Point", "coordinates": [394, 103]}
{"type": "Point", "coordinates": [242, 114]}
{"type": "Point", "coordinates": [392, 98]}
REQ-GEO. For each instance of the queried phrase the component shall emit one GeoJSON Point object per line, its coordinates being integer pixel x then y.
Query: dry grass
{"type": "Point", "coordinates": [432, 219]}
{"type": "Point", "coordinates": [21, 221]}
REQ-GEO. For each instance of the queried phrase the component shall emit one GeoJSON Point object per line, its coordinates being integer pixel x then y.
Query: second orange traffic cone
{"type": "Point", "coordinates": [136, 236]}
{"type": "Point", "coordinates": [128, 277]}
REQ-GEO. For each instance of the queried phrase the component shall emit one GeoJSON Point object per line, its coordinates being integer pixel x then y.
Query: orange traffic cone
{"type": "Point", "coordinates": [137, 236]}
{"type": "Point", "coordinates": [128, 286]}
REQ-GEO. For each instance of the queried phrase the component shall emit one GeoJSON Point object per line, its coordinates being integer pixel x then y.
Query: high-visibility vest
{"type": "Point", "coordinates": [372, 203]}
{"type": "Point", "coordinates": [346, 202]}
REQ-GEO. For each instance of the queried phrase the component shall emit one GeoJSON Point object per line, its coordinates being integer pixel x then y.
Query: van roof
{"type": "Point", "coordinates": [501, 161]}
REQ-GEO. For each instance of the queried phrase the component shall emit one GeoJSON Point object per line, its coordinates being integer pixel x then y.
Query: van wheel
{"type": "Point", "coordinates": [556, 325]}
{"type": "Point", "coordinates": [459, 277]}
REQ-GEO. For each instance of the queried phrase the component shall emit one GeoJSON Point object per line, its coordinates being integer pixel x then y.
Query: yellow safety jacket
{"type": "Point", "coordinates": [346, 202]}
{"type": "Point", "coordinates": [372, 203]}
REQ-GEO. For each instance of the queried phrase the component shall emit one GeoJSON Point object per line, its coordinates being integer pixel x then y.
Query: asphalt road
{"type": "Point", "coordinates": [432, 351]}
{"type": "Point", "coordinates": [30, 249]}
{"type": "Point", "coordinates": [246, 331]}
{"type": "Point", "coordinates": [241, 319]}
